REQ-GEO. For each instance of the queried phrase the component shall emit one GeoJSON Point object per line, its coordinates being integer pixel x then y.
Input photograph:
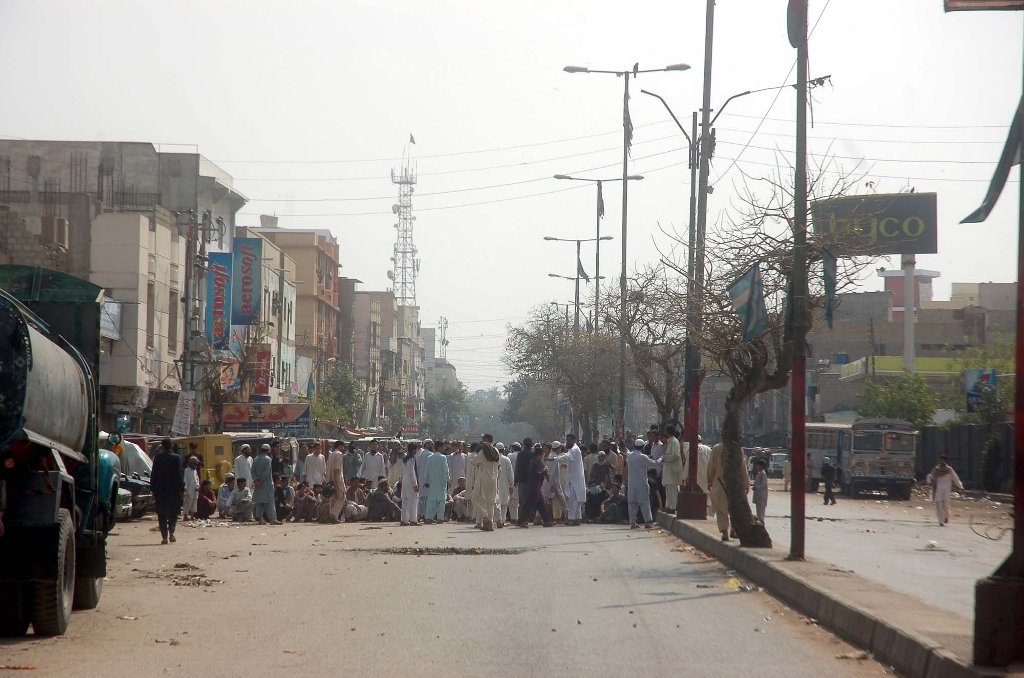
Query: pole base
{"type": "Point", "coordinates": [999, 621]}
{"type": "Point", "coordinates": [692, 504]}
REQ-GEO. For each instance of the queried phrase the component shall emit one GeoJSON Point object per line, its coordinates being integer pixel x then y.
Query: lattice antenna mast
{"type": "Point", "coordinates": [407, 266]}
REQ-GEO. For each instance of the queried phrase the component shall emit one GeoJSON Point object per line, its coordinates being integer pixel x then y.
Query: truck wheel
{"type": "Point", "coordinates": [14, 617]}
{"type": "Point", "coordinates": [87, 592]}
{"type": "Point", "coordinates": [51, 600]}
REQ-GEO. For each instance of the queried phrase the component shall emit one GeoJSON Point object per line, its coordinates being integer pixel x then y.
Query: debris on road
{"type": "Point", "coordinates": [859, 656]}
{"type": "Point", "coordinates": [127, 618]}
{"type": "Point", "coordinates": [18, 667]}
{"type": "Point", "coordinates": [444, 551]}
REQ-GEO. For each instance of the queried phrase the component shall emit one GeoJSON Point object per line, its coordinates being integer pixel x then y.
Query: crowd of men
{"type": "Point", "coordinates": [485, 483]}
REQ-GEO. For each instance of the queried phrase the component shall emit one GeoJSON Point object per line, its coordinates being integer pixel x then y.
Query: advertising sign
{"type": "Point", "coordinates": [262, 381]}
{"type": "Point", "coordinates": [218, 300]}
{"type": "Point", "coordinates": [246, 283]}
{"type": "Point", "coordinates": [891, 223]}
{"type": "Point", "coordinates": [976, 383]}
{"type": "Point", "coordinates": [293, 419]}
{"type": "Point", "coordinates": [970, 5]}
{"type": "Point", "coordinates": [184, 413]}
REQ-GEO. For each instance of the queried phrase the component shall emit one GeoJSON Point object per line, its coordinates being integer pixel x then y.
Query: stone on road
{"type": "Point", "coordinates": [382, 600]}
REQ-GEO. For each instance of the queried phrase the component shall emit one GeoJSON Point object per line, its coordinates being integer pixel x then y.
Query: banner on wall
{"type": "Point", "coordinates": [218, 295]}
{"type": "Point", "coordinates": [246, 281]}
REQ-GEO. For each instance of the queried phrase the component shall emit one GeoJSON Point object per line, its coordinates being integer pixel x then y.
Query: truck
{"type": "Point", "coordinates": [58, 489]}
{"type": "Point", "coordinates": [870, 455]}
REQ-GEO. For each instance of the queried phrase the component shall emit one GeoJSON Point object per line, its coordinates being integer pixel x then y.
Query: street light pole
{"type": "Point", "coordinates": [576, 327]}
{"type": "Point", "coordinates": [627, 135]}
{"type": "Point", "coordinates": [600, 215]}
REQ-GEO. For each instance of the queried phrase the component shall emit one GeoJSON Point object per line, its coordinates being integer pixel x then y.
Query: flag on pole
{"type": "Point", "coordinates": [829, 267]}
{"type": "Point", "coordinates": [1009, 158]}
{"type": "Point", "coordinates": [600, 201]}
{"type": "Point", "coordinates": [747, 297]}
{"type": "Point", "coordinates": [579, 270]}
{"type": "Point", "coordinates": [412, 139]}
{"type": "Point", "coordinates": [627, 122]}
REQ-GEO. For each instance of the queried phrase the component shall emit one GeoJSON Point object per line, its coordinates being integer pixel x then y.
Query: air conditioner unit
{"type": "Point", "coordinates": [54, 231]}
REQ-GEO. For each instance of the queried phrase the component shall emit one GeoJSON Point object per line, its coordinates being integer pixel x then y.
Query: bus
{"type": "Point", "coordinates": [870, 455]}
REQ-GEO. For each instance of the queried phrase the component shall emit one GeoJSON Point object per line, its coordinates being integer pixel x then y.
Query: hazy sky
{"type": "Point", "coordinates": [310, 104]}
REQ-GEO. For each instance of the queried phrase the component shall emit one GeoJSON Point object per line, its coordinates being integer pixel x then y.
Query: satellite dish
{"type": "Point", "coordinates": [391, 276]}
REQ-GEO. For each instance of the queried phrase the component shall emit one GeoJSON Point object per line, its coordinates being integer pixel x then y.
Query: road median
{"type": "Point", "coordinates": [917, 639]}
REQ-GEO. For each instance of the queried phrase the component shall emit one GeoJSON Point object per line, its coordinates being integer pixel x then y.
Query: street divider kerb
{"type": "Point", "coordinates": [908, 651]}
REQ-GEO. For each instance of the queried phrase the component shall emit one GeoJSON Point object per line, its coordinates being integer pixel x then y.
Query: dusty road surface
{"type": "Point", "coordinates": [900, 543]}
{"type": "Point", "coordinates": [374, 600]}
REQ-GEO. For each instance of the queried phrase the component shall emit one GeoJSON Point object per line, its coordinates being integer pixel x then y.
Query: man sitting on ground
{"type": "Point", "coordinates": [460, 502]}
{"type": "Point", "coordinates": [355, 502]}
{"type": "Point", "coordinates": [614, 509]}
{"type": "Point", "coordinates": [304, 508]}
{"type": "Point", "coordinates": [239, 505]}
{"type": "Point", "coordinates": [284, 498]}
{"type": "Point", "coordinates": [381, 504]}
{"type": "Point", "coordinates": [224, 494]}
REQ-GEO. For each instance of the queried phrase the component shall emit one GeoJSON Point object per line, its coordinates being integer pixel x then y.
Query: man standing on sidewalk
{"type": "Point", "coordinates": [828, 474]}
{"type": "Point", "coordinates": [673, 472]}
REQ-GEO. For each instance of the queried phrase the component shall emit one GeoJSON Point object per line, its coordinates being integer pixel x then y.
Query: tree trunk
{"type": "Point", "coordinates": [751, 533]}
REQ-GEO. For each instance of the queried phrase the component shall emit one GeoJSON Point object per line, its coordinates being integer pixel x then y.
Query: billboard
{"type": "Point", "coordinates": [890, 223]}
{"type": "Point", "coordinates": [976, 382]}
{"type": "Point", "coordinates": [293, 419]}
{"type": "Point", "coordinates": [262, 377]}
{"type": "Point", "coordinates": [218, 300]}
{"type": "Point", "coordinates": [246, 283]}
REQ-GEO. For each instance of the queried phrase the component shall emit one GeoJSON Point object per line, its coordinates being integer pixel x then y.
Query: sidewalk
{"type": "Point", "coordinates": [916, 638]}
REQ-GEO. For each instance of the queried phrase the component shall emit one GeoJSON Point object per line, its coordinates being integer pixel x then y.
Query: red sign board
{"type": "Point", "coordinates": [250, 417]}
{"type": "Point", "coordinates": [262, 382]}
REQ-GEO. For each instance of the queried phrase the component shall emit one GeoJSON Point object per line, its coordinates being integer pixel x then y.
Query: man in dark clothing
{"type": "Point", "coordinates": [596, 496]}
{"type": "Point", "coordinates": [615, 508]}
{"type": "Point", "coordinates": [167, 484]}
{"type": "Point", "coordinates": [276, 460]}
{"type": "Point", "coordinates": [828, 474]}
{"type": "Point", "coordinates": [381, 505]}
{"type": "Point", "coordinates": [521, 473]}
{"type": "Point", "coordinates": [536, 475]}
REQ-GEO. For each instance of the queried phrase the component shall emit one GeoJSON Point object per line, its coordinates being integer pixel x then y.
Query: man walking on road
{"type": "Point", "coordinates": [828, 474]}
{"type": "Point", "coordinates": [263, 508]}
{"type": "Point", "coordinates": [943, 479]}
{"type": "Point", "coordinates": [167, 485]}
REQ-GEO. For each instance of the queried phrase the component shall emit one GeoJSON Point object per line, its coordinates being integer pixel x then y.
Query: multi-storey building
{"type": "Point", "coordinates": [315, 253]}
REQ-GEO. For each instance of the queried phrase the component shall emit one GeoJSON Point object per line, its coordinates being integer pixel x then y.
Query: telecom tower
{"type": "Point", "coordinates": [443, 326]}
{"type": "Point", "coordinates": [407, 266]}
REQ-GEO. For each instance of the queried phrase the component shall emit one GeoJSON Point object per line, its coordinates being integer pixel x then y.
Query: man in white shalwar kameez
{"type": "Point", "coordinates": [506, 486]}
{"type": "Point", "coordinates": [421, 472]}
{"type": "Point", "coordinates": [470, 476]}
{"type": "Point", "coordinates": [638, 492]}
{"type": "Point", "coordinates": [943, 479]}
{"type": "Point", "coordinates": [673, 470]}
{"type": "Point", "coordinates": [457, 464]}
{"type": "Point", "coordinates": [513, 497]}
{"type": "Point", "coordinates": [484, 490]}
{"type": "Point", "coordinates": [573, 479]}
{"type": "Point", "coordinates": [243, 464]}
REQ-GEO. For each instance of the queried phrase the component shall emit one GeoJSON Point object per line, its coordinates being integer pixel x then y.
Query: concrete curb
{"type": "Point", "coordinates": [908, 652]}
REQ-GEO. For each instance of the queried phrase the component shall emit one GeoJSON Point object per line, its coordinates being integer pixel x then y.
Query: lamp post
{"type": "Point", "coordinates": [627, 137]}
{"type": "Point", "coordinates": [600, 214]}
{"type": "Point", "coordinates": [579, 242]}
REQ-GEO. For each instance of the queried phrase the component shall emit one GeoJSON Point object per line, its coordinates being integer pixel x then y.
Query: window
{"type": "Point", "coordinates": [150, 312]}
{"type": "Point", "coordinates": [172, 321]}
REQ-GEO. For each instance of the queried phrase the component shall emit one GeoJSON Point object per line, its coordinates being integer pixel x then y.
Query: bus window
{"type": "Point", "coordinates": [867, 441]}
{"type": "Point", "coordinates": [899, 442]}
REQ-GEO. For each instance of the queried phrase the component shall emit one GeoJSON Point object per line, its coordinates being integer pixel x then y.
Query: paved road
{"type": "Point", "coordinates": [593, 600]}
{"type": "Point", "coordinates": [889, 541]}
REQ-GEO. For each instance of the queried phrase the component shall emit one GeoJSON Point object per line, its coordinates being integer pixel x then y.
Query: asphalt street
{"type": "Point", "coordinates": [380, 600]}
{"type": "Point", "coordinates": [900, 543]}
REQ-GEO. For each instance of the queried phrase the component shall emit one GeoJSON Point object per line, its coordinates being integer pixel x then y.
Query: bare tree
{"type": "Point", "coordinates": [655, 329]}
{"type": "Point", "coordinates": [759, 231]}
{"type": "Point", "coordinates": [582, 368]}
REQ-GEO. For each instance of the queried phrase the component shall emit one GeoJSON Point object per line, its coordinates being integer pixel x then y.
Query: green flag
{"type": "Point", "coordinates": [747, 296]}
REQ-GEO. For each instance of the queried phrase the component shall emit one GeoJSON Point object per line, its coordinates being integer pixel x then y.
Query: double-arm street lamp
{"type": "Point", "coordinates": [627, 137]}
{"type": "Point", "coordinates": [600, 214]}
{"type": "Point", "coordinates": [579, 242]}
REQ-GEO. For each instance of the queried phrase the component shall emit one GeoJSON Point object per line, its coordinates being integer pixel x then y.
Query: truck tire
{"type": "Point", "coordinates": [87, 592]}
{"type": "Point", "coordinates": [51, 600]}
{"type": "Point", "coordinates": [14, 617]}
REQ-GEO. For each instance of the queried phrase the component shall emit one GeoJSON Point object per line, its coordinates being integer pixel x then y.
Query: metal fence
{"type": "Point", "coordinates": [963, 444]}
